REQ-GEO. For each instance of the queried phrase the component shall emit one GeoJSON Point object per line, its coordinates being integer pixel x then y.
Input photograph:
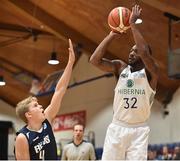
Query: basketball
{"type": "Point", "coordinates": [118, 19]}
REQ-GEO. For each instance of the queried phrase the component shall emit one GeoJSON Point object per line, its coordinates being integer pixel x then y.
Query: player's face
{"type": "Point", "coordinates": [133, 57]}
{"type": "Point", "coordinates": [36, 111]}
{"type": "Point", "coordinates": [78, 132]}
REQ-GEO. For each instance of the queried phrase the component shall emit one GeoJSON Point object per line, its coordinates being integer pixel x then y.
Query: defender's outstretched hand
{"type": "Point", "coordinates": [71, 52]}
{"type": "Point", "coordinates": [136, 11]}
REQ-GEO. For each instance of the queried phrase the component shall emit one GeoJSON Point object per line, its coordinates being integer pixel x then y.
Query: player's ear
{"type": "Point", "coordinates": [28, 114]}
{"type": "Point", "coordinates": [150, 50]}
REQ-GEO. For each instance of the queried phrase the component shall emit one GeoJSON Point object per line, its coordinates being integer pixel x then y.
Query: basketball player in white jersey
{"type": "Point", "coordinates": [127, 135]}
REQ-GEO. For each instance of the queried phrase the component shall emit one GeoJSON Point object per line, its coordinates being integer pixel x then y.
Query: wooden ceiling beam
{"type": "Point", "coordinates": [162, 6]}
{"type": "Point", "coordinates": [18, 28]}
{"type": "Point", "coordinates": [11, 67]}
{"type": "Point", "coordinates": [13, 98]}
{"type": "Point", "coordinates": [7, 100]}
{"type": "Point", "coordinates": [51, 24]}
{"type": "Point", "coordinates": [17, 91]}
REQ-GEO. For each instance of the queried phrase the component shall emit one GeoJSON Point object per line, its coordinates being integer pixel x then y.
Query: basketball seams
{"type": "Point", "coordinates": [121, 24]}
{"type": "Point", "coordinates": [126, 12]}
{"type": "Point", "coordinates": [112, 18]}
{"type": "Point", "coordinates": [115, 12]}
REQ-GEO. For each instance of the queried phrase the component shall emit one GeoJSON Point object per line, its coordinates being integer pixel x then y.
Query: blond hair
{"type": "Point", "coordinates": [23, 107]}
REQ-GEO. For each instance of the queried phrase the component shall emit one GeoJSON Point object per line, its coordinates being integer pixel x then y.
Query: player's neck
{"type": "Point", "coordinates": [136, 67]}
{"type": "Point", "coordinates": [77, 142]}
{"type": "Point", "coordinates": [34, 126]}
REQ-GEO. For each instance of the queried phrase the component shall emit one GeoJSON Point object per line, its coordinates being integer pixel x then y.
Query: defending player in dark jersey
{"type": "Point", "coordinates": [40, 142]}
{"type": "Point", "coordinates": [36, 140]}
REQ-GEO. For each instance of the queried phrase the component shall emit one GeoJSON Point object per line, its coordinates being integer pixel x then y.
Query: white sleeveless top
{"type": "Point", "coordinates": [133, 97]}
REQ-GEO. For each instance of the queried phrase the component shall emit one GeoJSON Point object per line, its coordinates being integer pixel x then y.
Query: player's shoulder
{"type": "Point", "coordinates": [21, 138]}
{"type": "Point", "coordinates": [88, 143]}
{"type": "Point", "coordinates": [69, 144]}
{"type": "Point", "coordinates": [119, 66]}
{"type": "Point", "coordinates": [118, 62]}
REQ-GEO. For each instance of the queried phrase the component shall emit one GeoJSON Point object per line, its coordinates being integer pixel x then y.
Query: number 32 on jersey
{"type": "Point", "coordinates": [130, 102]}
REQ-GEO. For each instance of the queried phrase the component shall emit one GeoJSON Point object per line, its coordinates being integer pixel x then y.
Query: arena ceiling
{"type": "Point", "coordinates": [31, 29]}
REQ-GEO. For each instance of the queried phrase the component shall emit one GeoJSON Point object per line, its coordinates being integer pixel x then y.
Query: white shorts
{"type": "Point", "coordinates": [126, 143]}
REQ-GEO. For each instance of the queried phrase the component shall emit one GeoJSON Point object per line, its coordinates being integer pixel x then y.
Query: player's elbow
{"type": "Point", "coordinates": [61, 91]}
{"type": "Point", "coordinates": [19, 156]}
{"type": "Point", "coordinates": [156, 71]}
{"type": "Point", "coordinates": [93, 60]}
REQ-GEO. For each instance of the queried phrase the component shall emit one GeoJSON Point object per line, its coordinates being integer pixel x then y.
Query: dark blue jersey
{"type": "Point", "coordinates": [42, 144]}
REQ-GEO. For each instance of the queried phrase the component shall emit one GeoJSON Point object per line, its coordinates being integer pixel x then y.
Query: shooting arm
{"type": "Point", "coordinates": [103, 63]}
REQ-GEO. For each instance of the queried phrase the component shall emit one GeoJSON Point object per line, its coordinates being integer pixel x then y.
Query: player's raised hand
{"type": "Point", "coordinates": [71, 52]}
{"type": "Point", "coordinates": [136, 11]}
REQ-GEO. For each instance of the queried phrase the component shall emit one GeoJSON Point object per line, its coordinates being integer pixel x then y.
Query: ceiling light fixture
{"type": "Point", "coordinates": [53, 60]}
{"type": "Point", "coordinates": [138, 21]}
{"type": "Point", "coordinates": [2, 82]}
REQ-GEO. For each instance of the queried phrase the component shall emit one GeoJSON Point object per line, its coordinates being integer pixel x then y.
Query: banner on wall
{"type": "Point", "coordinates": [67, 121]}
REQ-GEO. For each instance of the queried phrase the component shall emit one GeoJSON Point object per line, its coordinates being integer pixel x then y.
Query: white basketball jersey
{"type": "Point", "coordinates": [133, 97]}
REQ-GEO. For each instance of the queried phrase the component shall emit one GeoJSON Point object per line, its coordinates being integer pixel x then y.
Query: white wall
{"type": "Point", "coordinates": [174, 108]}
{"type": "Point", "coordinates": [166, 129]}
{"type": "Point", "coordinates": [158, 124]}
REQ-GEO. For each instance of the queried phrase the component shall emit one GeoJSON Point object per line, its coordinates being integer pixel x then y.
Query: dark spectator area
{"type": "Point", "coordinates": [169, 151]}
